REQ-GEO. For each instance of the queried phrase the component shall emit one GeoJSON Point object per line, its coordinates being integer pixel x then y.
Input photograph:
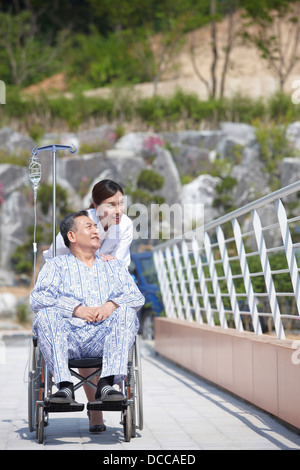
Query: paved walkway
{"type": "Point", "coordinates": [181, 412]}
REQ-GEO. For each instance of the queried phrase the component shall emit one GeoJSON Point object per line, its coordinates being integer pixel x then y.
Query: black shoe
{"type": "Point", "coordinates": [109, 393]}
{"type": "Point", "coordinates": [64, 395]}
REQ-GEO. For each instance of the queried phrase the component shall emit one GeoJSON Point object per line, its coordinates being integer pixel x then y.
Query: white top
{"type": "Point", "coordinates": [115, 241]}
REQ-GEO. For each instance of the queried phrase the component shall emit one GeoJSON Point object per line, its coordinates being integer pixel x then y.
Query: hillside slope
{"type": "Point", "coordinates": [248, 73]}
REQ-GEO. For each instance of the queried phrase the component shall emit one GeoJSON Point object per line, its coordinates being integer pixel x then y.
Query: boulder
{"type": "Point", "coordinates": [7, 278]}
{"type": "Point", "coordinates": [121, 166]}
{"type": "Point", "coordinates": [134, 141]}
{"type": "Point", "coordinates": [292, 134]}
{"type": "Point", "coordinates": [192, 149]}
{"type": "Point", "coordinates": [252, 180]}
{"type": "Point", "coordinates": [8, 305]}
{"type": "Point", "coordinates": [147, 144]}
{"type": "Point", "coordinates": [15, 143]}
{"type": "Point", "coordinates": [17, 216]}
{"type": "Point", "coordinates": [200, 139]}
{"type": "Point", "coordinates": [12, 177]}
{"type": "Point", "coordinates": [234, 135]}
{"type": "Point", "coordinates": [290, 173]}
{"type": "Point", "coordinates": [163, 164]}
{"type": "Point", "coordinates": [200, 190]}
{"type": "Point", "coordinates": [103, 136]}
{"type": "Point", "coordinates": [189, 159]}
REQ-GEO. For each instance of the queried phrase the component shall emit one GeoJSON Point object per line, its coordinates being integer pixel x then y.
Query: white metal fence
{"type": "Point", "coordinates": [244, 274]}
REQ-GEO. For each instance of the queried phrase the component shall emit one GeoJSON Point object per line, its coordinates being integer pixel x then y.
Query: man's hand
{"type": "Point", "coordinates": [105, 310]}
{"type": "Point", "coordinates": [95, 314]}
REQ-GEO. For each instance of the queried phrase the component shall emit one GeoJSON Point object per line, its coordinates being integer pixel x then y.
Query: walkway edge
{"type": "Point", "coordinates": [258, 368]}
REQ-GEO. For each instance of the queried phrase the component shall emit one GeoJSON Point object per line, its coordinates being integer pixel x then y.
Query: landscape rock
{"type": "Point", "coordinates": [171, 154]}
{"type": "Point", "coordinates": [8, 305]}
{"type": "Point", "coordinates": [235, 136]}
{"type": "Point", "coordinates": [252, 180]}
{"type": "Point", "coordinates": [7, 277]}
{"type": "Point", "coordinates": [293, 135]}
{"type": "Point", "coordinates": [290, 173]}
{"type": "Point", "coordinates": [189, 159]}
{"type": "Point", "coordinates": [12, 177]}
{"type": "Point", "coordinates": [200, 190]}
{"type": "Point", "coordinates": [15, 143]}
{"type": "Point", "coordinates": [17, 215]}
{"type": "Point", "coordinates": [134, 141]}
{"type": "Point", "coordinates": [165, 166]}
{"type": "Point", "coordinates": [102, 136]}
{"type": "Point", "coordinates": [120, 166]}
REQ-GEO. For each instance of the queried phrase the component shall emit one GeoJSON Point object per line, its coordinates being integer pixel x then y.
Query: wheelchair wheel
{"type": "Point", "coordinates": [38, 375]}
{"type": "Point", "coordinates": [40, 423]}
{"type": "Point", "coordinates": [128, 424]}
{"type": "Point", "coordinates": [138, 384]}
{"type": "Point", "coordinates": [34, 382]}
{"type": "Point", "coordinates": [134, 389]}
{"type": "Point", "coordinates": [131, 394]}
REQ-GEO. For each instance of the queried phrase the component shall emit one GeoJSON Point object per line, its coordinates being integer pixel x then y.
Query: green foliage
{"type": "Point", "coordinates": [224, 194]}
{"type": "Point", "coordinates": [95, 61]}
{"type": "Point", "coordinates": [22, 313]}
{"type": "Point", "coordinates": [146, 198]}
{"type": "Point", "coordinates": [27, 55]}
{"type": "Point", "coordinates": [45, 200]}
{"type": "Point", "coordinates": [20, 160]}
{"type": "Point", "coordinates": [36, 132]}
{"type": "Point", "coordinates": [274, 146]}
{"type": "Point", "coordinates": [150, 180]}
{"type": "Point", "coordinates": [160, 113]}
{"type": "Point", "coordinates": [22, 257]}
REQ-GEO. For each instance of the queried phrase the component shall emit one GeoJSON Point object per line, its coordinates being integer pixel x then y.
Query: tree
{"type": "Point", "coordinates": [157, 52]}
{"type": "Point", "coordinates": [274, 28]}
{"type": "Point", "coordinates": [228, 9]}
{"type": "Point", "coordinates": [28, 54]}
{"type": "Point", "coordinates": [160, 37]}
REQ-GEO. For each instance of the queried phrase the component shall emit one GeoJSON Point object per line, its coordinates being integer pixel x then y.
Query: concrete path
{"type": "Point", "coordinates": [181, 412]}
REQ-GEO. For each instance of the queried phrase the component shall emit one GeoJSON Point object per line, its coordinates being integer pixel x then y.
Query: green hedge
{"type": "Point", "coordinates": [185, 110]}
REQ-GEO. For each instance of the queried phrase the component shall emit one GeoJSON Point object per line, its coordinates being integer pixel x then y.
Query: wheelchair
{"type": "Point", "coordinates": [40, 388]}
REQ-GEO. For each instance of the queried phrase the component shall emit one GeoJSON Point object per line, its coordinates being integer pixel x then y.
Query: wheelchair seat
{"type": "Point", "coordinates": [87, 362]}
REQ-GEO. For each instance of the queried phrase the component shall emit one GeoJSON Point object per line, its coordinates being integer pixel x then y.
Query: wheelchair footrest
{"type": "Point", "coordinates": [107, 405]}
{"type": "Point", "coordinates": [62, 407]}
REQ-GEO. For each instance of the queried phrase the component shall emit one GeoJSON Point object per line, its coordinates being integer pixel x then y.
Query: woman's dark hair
{"type": "Point", "coordinates": [67, 224]}
{"type": "Point", "coordinates": [103, 190]}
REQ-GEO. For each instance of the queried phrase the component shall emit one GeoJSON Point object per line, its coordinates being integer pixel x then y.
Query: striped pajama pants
{"type": "Point", "coordinates": [62, 338]}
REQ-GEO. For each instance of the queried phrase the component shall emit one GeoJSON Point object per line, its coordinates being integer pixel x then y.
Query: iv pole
{"type": "Point", "coordinates": [35, 176]}
{"type": "Point", "coordinates": [54, 148]}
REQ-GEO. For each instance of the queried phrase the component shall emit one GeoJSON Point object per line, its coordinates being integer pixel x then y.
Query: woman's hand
{"type": "Point", "coordinates": [107, 257]}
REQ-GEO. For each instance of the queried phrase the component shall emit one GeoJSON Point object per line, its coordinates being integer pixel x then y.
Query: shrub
{"type": "Point", "coordinates": [149, 179]}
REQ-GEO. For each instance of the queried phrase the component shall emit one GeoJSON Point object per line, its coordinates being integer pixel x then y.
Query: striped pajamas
{"type": "Point", "coordinates": [64, 283]}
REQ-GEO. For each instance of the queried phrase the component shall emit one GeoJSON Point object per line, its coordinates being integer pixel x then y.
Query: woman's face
{"type": "Point", "coordinates": [111, 210]}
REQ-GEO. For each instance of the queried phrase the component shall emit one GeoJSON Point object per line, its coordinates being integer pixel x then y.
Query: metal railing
{"type": "Point", "coordinates": [243, 273]}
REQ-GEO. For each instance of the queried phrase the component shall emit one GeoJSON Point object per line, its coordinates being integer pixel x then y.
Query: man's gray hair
{"type": "Point", "coordinates": [67, 224]}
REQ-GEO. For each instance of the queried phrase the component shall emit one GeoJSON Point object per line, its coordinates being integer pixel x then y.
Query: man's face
{"type": "Point", "coordinates": [85, 234]}
{"type": "Point", "coordinates": [111, 210]}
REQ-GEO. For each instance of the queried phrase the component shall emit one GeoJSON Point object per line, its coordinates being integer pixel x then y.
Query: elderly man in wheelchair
{"type": "Point", "coordinates": [85, 307]}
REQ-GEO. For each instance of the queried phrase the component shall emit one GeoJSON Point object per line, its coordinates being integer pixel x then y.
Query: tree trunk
{"type": "Point", "coordinates": [214, 49]}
